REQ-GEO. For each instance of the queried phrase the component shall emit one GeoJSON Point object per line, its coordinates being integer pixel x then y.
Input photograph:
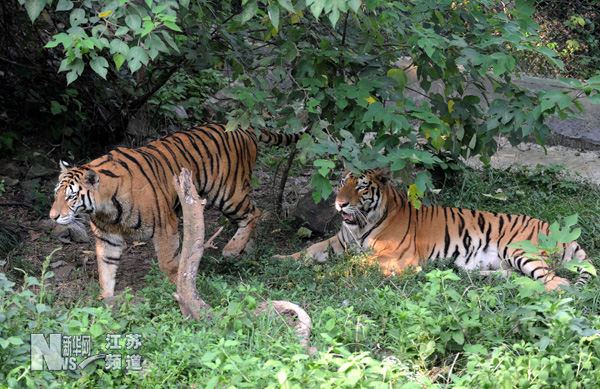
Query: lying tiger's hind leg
{"type": "Point", "coordinates": [166, 244]}
{"type": "Point", "coordinates": [318, 251]}
{"type": "Point", "coordinates": [109, 248]}
{"type": "Point", "coordinates": [574, 251]}
{"type": "Point", "coordinates": [536, 269]}
{"type": "Point", "coordinates": [246, 232]}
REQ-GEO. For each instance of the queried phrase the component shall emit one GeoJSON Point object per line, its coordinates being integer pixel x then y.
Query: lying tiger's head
{"type": "Point", "coordinates": [74, 193]}
{"type": "Point", "coordinates": [361, 199]}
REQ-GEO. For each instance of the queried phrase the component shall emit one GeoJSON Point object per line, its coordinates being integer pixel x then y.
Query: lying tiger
{"type": "Point", "coordinates": [130, 193]}
{"type": "Point", "coordinates": [377, 216]}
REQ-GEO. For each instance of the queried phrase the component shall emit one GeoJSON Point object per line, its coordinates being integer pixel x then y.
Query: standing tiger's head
{"type": "Point", "coordinates": [362, 199]}
{"type": "Point", "coordinates": [74, 193]}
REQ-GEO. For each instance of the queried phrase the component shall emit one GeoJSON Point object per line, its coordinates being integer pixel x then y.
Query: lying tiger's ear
{"type": "Point", "coordinates": [64, 166]}
{"type": "Point", "coordinates": [91, 179]}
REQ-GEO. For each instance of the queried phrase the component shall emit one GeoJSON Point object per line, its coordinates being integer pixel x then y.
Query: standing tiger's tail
{"type": "Point", "coordinates": [273, 139]}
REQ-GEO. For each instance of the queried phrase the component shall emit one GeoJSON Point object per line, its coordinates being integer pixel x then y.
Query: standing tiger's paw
{"type": "Point", "coordinates": [555, 282]}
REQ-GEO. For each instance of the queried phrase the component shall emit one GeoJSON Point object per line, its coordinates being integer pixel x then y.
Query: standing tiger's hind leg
{"type": "Point", "coordinates": [246, 232]}
{"type": "Point", "coordinates": [109, 248]}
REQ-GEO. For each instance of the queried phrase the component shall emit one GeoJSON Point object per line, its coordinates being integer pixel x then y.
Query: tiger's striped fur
{"type": "Point", "coordinates": [379, 217]}
{"type": "Point", "coordinates": [129, 192]}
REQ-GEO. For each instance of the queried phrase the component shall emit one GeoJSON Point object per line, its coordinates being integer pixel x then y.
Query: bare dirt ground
{"type": "Point", "coordinates": [29, 185]}
{"type": "Point", "coordinates": [26, 202]}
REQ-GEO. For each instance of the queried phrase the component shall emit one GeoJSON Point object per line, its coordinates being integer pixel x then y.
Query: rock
{"type": "Point", "coordinates": [321, 219]}
{"type": "Point", "coordinates": [56, 264]}
{"type": "Point", "coordinates": [8, 182]}
{"type": "Point", "coordinates": [70, 233]}
{"type": "Point", "coordinates": [9, 169]}
{"type": "Point", "coordinates": [63, 272]}
{"type": "Point", "coordinates": [60, 231]}
{"type": "Point", "coordinates": [179, 111]}
{"type": "Point", "coordinates": [79, 235]}
{"type": "Point", "coordinates": [29, 184]}
{"type": "Point", "coordinates": [38, 170]}
{"type": "Point", "coordinates": [46, 224]}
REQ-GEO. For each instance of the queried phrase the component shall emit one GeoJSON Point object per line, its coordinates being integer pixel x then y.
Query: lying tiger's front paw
{"type": "Point", "coordinates": [290, 256]}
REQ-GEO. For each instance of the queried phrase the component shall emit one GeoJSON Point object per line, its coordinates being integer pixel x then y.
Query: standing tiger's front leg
{"type": "Point", "coordinates": [109, 248]}
{"type": "Point", "coordinates": [166, 244]}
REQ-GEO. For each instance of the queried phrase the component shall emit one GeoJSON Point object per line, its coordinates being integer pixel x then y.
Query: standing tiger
{"type": "Point", "coordinates": [377, 216]}
{"type": "Point", "coordinates": [129, 192]}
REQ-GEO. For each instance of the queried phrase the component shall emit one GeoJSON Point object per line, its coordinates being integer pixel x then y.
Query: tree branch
{"type": "Point", "coordinates": [192, 249]}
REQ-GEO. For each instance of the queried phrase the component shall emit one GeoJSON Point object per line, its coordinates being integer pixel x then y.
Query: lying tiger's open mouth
{"type": "Point", "coordinates": [348, 218]}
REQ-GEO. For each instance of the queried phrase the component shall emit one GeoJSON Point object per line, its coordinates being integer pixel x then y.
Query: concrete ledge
{"type": "Point", "coordinates": [581, 133]}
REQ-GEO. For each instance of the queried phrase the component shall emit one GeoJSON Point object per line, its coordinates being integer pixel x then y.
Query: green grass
{"type": "Point", "coordinates": [440, 327]}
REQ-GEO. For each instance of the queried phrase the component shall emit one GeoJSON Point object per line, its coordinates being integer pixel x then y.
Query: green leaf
{"type": "Point", "coordinates": [322, 186]}
{"type": "Point", "coordinates": [12, 340]}
{"type": "Point", "coordinates": [100, 66]}
{"type": "Point", "coordinates": [77, 17]}
{"type": "Point", "coordinates": [159, 8]}
{"type": "Point", "coordinates": [594, 99]}
{"type": "Point", "coordinates": [71, 76]}
{"type": "Point", "coordinates": [147, 27]}
{"type": "Point", "coordinates": [564, 101]}
{"type": "Point", "coordinates": [34, 8]}
{"type": "Point", "coordinates": [119, 59]}
{"type": "Point", "coordinates": [136, 57]}
{"type": "Point", "coordinates": [458, 337]}
{"type": "Point", "coordinates": [289, 51]}
{"type": "Point", "coordinates": [334, 16]}
{"type": "Point", "coordinates": [64, 5]}
{"type": "Point", "coordinates": [528, 287]}
{"type": "Point", "coordinates": [317, 7]}
{"type": "Point", "coordinates": [475, 349]}
{"type": "Point", "coordinates": [172, 26]}
{"type": "Point", "coordinates": [170, 41]}
{"type": "Point", "coordinates": [497, 196]}
{"type": "Point", "coordinates": [400, 76]}
{"type": "Point", "coordinates": [96, 330]}
{"type": "Point", "coordinates": [325, 166]}
{"type": "Point", "coordinates": [122, 31]}
{"type": "Point", "coordinates": [426, 349]}
{"type": "Point", "coordinates": [574, 266]}
{"type": "Point", "coordinates": [282, 376]}
{"type": "Point", "coordinates": [41, 308]}
{"type": "Point", "coordinates": [287, 5]}
{"type": "Point", "coordinates": [134, 22]}
{"type": "Point", "coordinates": [355, 5]}
{"type": "Point", "coordinates": [330, 325]}
{"type": "Point", "coordinates": [249, 11]}
{"type": "Point", "coordinates": [57, 108]}
{"type": "Point", "coordinates": [118, 46]}
{"type": "Point", "coordinates": [352, 377]}
{"type": "Point", "coordinates": [273, 11]}
{"type": "Point", "coordinates": [304, 233]}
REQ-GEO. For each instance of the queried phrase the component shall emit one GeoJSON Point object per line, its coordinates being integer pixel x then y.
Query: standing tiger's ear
{"type": "Point", "coordinates": [91, 179]}
{"type": "Point", "coordinates": [383, 175]}
{"type": "Point", "coordinates": [64, 167]}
